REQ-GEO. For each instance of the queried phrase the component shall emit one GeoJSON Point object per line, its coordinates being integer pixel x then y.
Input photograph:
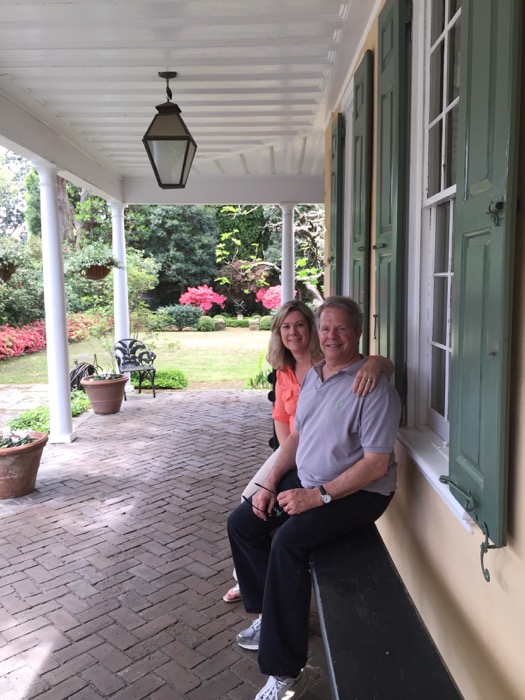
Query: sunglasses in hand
{"type": "Point", "coordinates": [275, 512]}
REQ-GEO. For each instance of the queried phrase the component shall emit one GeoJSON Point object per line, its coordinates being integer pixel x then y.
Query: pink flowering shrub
{"type": "Point", "coordinates": [202, 296]}
{"type": "Point", "coordinates": [270, 297]}
{"type": "Point", "coordinates": [32, 337]}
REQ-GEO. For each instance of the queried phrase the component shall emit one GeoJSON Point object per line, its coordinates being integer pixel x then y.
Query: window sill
{"type": "Point", "coordinates": [430, 455]}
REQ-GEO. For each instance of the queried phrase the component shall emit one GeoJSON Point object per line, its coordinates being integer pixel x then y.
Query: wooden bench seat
{"type": "Point", "coordinates": [376, 644]}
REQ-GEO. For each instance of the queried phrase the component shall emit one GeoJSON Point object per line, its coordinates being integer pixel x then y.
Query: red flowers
{"type": "Point", "coordinates": [32, 338]}
{"type": "Point", "coordinates": [202, 296]}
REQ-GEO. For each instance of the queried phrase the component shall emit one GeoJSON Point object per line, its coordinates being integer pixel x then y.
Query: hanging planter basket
{"type": "Point", "coordinates": [96, 272]}
{"type": "Point", "coordinates": [19, 467]}
{"type": "Point", "coordinates": [7, 272]}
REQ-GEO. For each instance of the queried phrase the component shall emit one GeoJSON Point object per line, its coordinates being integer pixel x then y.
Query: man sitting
{"type": "Point", "coordinates": [345, 478]}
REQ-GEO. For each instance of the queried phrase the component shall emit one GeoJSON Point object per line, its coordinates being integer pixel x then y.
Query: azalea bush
{"type": "Point", "coordinates": [203, 297]}
{"type": "Point", "coordinates": [30, 338]}
{"type": "Point", "coordinates": [270, 297]}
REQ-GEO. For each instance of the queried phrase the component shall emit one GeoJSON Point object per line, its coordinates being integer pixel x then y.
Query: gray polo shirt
{"type": "Point", "coordinates": [337, 427]}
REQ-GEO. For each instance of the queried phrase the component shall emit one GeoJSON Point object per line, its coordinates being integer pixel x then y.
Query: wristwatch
{"type": "Point", "coordinates": [325, 496]}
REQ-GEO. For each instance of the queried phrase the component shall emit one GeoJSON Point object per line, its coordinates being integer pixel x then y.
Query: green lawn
{"type": "Point", "coordinates": [221, 359]}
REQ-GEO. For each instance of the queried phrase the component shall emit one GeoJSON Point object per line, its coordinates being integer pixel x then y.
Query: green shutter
{"type": "Point", "coordinates": [336, 208]}
{"type": "Point", "coordinates": [391, 185]}
{"type": "Point", "coordinates": [361, 191]}
{"type": "Point", "coordinates": [483, 260]}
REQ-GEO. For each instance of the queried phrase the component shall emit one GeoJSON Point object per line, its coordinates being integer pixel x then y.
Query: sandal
{"type": "Point", "coordinates": [233, 595]}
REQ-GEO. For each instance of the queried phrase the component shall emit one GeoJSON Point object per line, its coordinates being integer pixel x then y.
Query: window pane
{"type": "Point", "coordinates": [441, 249]}
{"type": "Point", "coordinates": [437, 22]}
{"type": "Point", "coordinates": [439, 325]}
{"type": "Point", "coordinates": [454, 7]}
{"type": "Point", "coordinates": [436, 82]}
{"type": "Point", "coordinates": [454, 49]}
{"type": "Point", "coordinates": [437, 388]}
{"type": "Point", "coordinates": [434, 159]}
{"type": "Point", "coordinates": [452, 147]}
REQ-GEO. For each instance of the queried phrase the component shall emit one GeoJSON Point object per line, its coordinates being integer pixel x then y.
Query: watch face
{"type": "Point", "coordinates": [326, 498]}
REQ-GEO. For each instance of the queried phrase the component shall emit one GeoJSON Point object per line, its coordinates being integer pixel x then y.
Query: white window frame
{"type": "Point", "coordinates": [427, 449]}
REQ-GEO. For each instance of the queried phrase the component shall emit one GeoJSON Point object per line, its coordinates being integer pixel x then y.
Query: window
{"type": "Point", "coordinates": [442, 52]}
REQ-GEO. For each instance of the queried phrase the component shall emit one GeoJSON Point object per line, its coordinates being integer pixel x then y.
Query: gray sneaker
{"type": "Point", "coordinates": [287, 689]}
{"type": "Point", "coordinates": [249, 638]}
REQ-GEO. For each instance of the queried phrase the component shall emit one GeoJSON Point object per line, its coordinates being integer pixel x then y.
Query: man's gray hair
{"type": "Point", "coordinates": [346, 304]}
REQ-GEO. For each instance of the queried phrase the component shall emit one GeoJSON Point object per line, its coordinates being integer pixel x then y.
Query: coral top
{"type": "Point", "coordinates": [286, 397]}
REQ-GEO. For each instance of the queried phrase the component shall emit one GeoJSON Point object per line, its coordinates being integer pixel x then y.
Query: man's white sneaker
{"type": "Point", "coordinates": [249, 638]}
{"type": "Point", "coordinates": [287, 689]}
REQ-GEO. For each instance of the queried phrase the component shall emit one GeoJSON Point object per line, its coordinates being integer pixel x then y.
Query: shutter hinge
{"type": "Point", "coordinates": [469, 501]}
{"type": "Point", "coordinates": [485, 546]}
{"type": "Point", "coordinates": [469, 504]}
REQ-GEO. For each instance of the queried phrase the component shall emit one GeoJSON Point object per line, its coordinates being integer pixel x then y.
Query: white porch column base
{"type": "Point", "coordinates": [61, 422]}
{"type": "Point", "coordinates": [288, 257]}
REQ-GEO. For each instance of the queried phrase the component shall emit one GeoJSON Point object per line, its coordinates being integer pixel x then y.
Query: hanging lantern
{"type": "Point", "coordinates": [169, 145]}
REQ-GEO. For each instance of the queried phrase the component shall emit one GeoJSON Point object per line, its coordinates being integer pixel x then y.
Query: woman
{"type": "Point", "coordinates": [293, 349]}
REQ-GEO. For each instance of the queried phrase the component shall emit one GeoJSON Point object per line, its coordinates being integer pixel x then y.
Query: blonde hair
{"type": "Point", "coordinates": [278, 355]}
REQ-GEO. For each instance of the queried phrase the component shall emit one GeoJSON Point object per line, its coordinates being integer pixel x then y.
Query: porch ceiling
{"type": "Point", "coordinates": [257, 80]}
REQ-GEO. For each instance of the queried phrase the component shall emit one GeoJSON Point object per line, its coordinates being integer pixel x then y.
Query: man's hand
{"type": "Point", "coordinates": [297, 501]}
{"type": "Point", "coordinates": [262, 503]}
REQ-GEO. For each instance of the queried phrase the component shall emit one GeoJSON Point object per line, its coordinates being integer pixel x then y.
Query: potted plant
{"type": "Point", "coordinates": [105, 391]}
{"type": "Point", "coordinates": [93, 260]}
{"type": "Point", "coordinates": [20, 454]}
{"type": "Point", "coordinates": [10, 257]}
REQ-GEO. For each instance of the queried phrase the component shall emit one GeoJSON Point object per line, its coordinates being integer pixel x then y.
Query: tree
{"type": "Point", "coordinates": [182, 239]}
{"type": "Point", "coordinates": [262, 267]}
{"type": "Point", "coordinates": [13, 170]}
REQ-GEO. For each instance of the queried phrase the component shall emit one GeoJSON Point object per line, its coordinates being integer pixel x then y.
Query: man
{"type": "Point", "coordinates": [345, 478]}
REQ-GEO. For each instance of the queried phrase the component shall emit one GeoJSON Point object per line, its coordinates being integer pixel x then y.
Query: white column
{"type": "Point", "coordinates": [288, 259]}
{"type": "Point", "coordinates": [61, 423]}
{"type": "Point", "coordinates": [120, 275]}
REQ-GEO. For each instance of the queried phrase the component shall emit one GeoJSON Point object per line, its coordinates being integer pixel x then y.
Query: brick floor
{"type": "Point", "coordinates": [112, 571]}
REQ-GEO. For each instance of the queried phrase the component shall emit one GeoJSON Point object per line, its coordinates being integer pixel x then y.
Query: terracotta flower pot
{"type": "Point", "coordinates": [96, 272]}
{"type": "Point", "coordinates": [19, 467]}
{"type": "Point", "coordinates": [105, 395]}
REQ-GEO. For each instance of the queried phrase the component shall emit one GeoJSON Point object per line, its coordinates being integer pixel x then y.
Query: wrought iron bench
{"type": "Point", "coordinates": [133, 356]}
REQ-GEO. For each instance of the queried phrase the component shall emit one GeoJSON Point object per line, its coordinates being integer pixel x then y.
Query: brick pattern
{"type": "Point", "coordinates": [112, 572]}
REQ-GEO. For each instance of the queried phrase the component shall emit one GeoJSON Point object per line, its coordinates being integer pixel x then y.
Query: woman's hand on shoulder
{"type": "Point", "coordinates": [368, 375]}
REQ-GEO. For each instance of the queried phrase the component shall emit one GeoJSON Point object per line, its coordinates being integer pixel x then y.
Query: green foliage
{"type": "Point", "coordinates": [11, 251]}
{"type": "Point", "coordinates": [181, 238]}
{"type": "Point", "coordinates": [38, 418]}
{"type": "Point", "coordinates": [34, 419]}
{"type": "Point", "coordinates": [22, 298]}
{"type": "Point", "coordinates": [13, 170]}
{"type": "Point", "coordinates": [179, 315]}
{"type": "Point", "coordinates": [164, 379]}
{"type": "Point", "coordinates": [260, 381]}
{"type": "Point", "coordinates": [32, 198]}
{"type": "Point", "coordinates": [265, 324]}
{"type": "Point", "coordinates": [237, 322]}
{"type": "Point", "coordinates": [79, 402]}
{"type": "Point", "coordinates": [205, 324]}
{"type": "Point", "coordinates": [94, 216]}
